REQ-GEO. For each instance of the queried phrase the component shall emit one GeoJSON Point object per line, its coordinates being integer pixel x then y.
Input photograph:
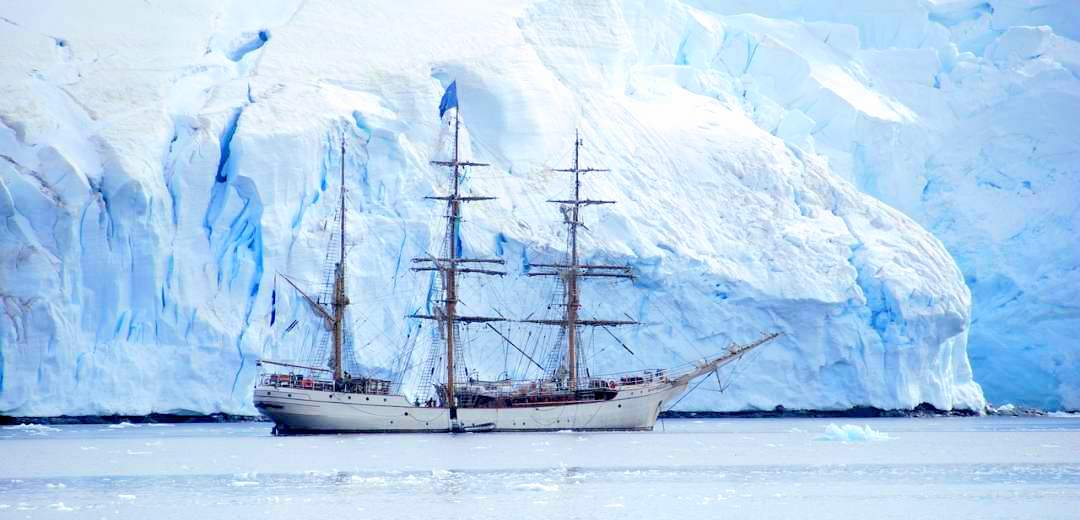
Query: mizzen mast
{"type": "Point", "coordinates": [573, 270]}
{"type": "Point", "coordinates": [454, 264]}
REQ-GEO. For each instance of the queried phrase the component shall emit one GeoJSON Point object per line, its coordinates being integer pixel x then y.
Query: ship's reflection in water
{"type": "Point", "coordinates": [752, 468]}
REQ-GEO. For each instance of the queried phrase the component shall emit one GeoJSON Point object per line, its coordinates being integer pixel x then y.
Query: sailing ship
{"type": "Point", "coordinates": [303, 398]}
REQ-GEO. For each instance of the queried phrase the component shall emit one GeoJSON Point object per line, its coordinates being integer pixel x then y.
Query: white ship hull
{"type": "Point", "coordinates": [296, 410]}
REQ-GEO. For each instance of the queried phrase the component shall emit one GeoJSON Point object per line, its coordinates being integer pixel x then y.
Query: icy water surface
{"type": "Point", "coordinates": [738, 468]}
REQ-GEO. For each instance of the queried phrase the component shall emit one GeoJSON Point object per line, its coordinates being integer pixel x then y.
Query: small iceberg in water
{"type": "Point", "coordinates": [33, 428]}
{"type": "Point", "coordinates": [851, 433]}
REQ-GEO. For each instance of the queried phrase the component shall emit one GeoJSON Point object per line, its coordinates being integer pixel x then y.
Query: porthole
{"type": "Point", "coordinates": [290, 395]}
{"type": "Point", "coordinates": [406, 413]}
{"type": "Point", "coordinates": [331, 396]}
{"type": "Point", "coordinates": [367, 398]}
{"type": "Point", "coordinates": [620, 406]}
{"type": "Point", "coordinates": [350, 397]}
{"type": "Point", "coordinates": [384, 399]}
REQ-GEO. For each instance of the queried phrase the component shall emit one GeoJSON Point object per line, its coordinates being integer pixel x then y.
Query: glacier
{"type": "Point", "coordinates": [814, 170]}
{"type": "Point", "coordinates": [975, 139]}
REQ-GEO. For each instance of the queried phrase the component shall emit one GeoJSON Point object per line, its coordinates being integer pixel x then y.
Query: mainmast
{"type": "Point", "coordinates": [341, 299]}
{"type": "Point", "coordinates": [453, 264]}
{"type": "Point", "coordinates": [571, 271]}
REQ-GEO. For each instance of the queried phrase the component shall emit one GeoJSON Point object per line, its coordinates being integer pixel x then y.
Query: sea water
{"type": "Point", "coordinates": [978, 467]}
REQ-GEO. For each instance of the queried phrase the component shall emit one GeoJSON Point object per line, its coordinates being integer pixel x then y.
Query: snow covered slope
{"type": "Point", "coordinates": [159, 164]}
{"type": "Point", "coordinates": [962, 114]}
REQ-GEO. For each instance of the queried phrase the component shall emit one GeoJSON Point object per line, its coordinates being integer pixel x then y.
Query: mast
{"type": "Point", "coordinates": [453, 265]}
{"type": "Point", "coordinates": [341, 299]}
{"type": "Point", "coordinates": [571, 271]}
{"type": "Point", "coordinates": [572, 297]}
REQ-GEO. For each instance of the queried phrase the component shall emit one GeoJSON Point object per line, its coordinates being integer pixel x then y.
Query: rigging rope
{"type": "Point", "coordinates": [679, 400]}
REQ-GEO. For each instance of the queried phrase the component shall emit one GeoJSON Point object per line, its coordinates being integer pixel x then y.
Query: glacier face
{"type": "Point", "coordinates": [161, 164]}
{"type": "Point", "coordinates": [962, 115]}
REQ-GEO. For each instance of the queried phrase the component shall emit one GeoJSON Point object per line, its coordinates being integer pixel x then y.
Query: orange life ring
{"type": "Point", "coordinates": [611, 384]}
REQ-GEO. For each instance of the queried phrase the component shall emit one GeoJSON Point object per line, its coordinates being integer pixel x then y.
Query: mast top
{"type": "Point", "coordinates": [573, 267]}
{"type": "Point", "coordinates": [342, 201]}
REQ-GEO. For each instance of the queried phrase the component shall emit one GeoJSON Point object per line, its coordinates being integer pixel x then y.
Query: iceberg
{"type": "Point", "coordinates": [852, 433]}
{"type": "Point", "coordinates": [960, 114]}
{"type": "Point", "coordinates": [776, 170]}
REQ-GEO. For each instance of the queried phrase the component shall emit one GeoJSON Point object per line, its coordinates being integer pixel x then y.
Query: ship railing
{"type": "Point", "coordinates": [614, 380]}
{"type": "Point", "coordinates": [655, 375]}
{"type": "Point", "coordinates": [469, 391]}
{"type": "Point", "coordinates": [352, 386]}
{"type": "Point", "coordinates": [296, 381]}
{"type": "Point", "coordinates": [633, 378]}
{"type": "Point", "coordinates": [317, 378]}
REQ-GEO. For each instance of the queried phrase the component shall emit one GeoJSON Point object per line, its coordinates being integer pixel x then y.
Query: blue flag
{"type": "Point", "coordinates": [449, 99]}
{"type": "Point", "coordinates": [273, 306]}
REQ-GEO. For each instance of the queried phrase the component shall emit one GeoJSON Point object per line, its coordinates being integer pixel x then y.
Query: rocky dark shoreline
{"type": "Point", "coordinates": [166, 418]}
{"type": "Point", "coordinates": [856, 412]}
{"type": "Point", "coordinates": [866, 412]}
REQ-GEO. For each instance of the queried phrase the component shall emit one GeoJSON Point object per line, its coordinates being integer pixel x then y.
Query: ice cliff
{"type": "Point", "coordinates": [160, 164]}
{"type": "Point", "coordinates": [962, 115]}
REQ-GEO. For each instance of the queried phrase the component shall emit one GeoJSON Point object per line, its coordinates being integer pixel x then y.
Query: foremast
{"type": "Point", "coordinates": [453, 264]}
{"type": "Point", "coordinates": [573, 270]}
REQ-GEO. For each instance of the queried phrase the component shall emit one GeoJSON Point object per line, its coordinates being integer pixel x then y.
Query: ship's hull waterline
{"type": "Point", "coordinates": [296, 410]}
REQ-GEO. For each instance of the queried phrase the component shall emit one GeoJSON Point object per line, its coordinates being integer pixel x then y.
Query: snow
{"type": "Point", "coordinates": [984, 467]}
{"type": "Point", "coordinates": [59, 506]}
{"type": "Point", "coordinates": [1019, 44]}
{"type": "Point", "coordinates": [985, 157]}
{"type": "Point", "coordinates": [849, 433]}
{"type": "Point", "coordinates": [39, 429]}
{"type": "Point", "coordinates": [122, 425]}
{"type": "Point", "coordinates": [537, 486]}
{"type": "Point", "coordinates": [162, 163]}
{"type": "Point", "coordinates": [1065, 415]}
